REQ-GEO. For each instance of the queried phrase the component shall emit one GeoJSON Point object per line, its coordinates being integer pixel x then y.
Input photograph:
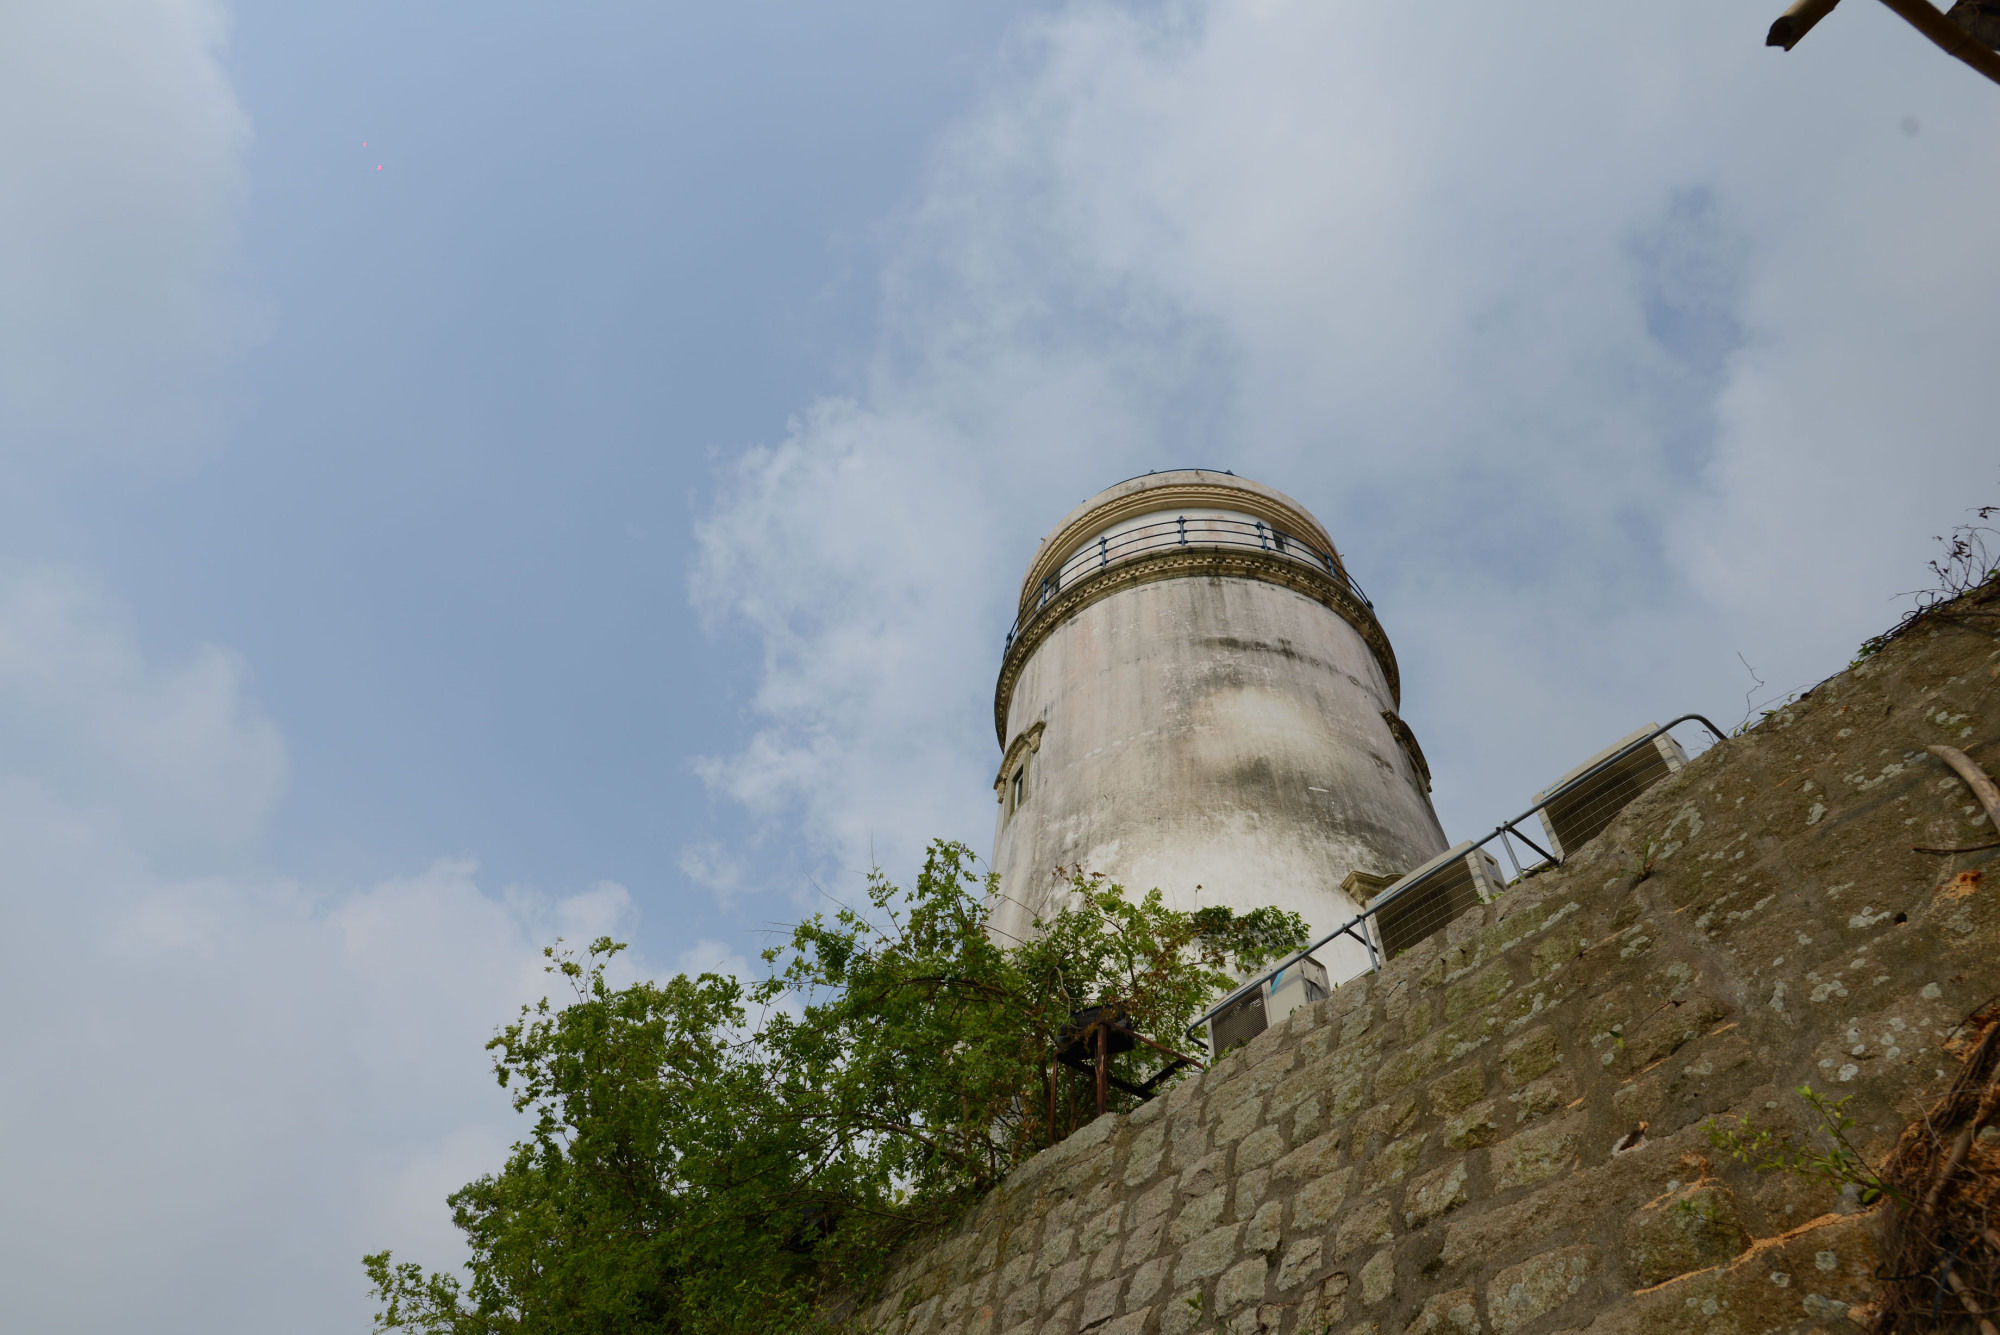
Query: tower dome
{"type": "Point", "coordinates": [1196, 697]}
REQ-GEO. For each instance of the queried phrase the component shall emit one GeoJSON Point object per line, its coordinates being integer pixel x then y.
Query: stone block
{"type": "Point", "coordinates": [1023, 1304]}
{"type": "Point", "coordinates": [1532, 1054]}
{"type": "Point", "coordinates": [1392, 1163]}
{"type": "Point", "coordinates": [1457, 1041]}
{"type": "Point", "coordinates": [1389, 1117]}
{"type": "Point", "coordinates": [1452, 1313]}
{"type": "Point", "coordinates": [1663, 1033]}
{"type": "Point", "coordinates": [1378, 1278]}
{"type": "Point", "coordinates": [1100, 1303]}
{"type": "Point", "coordinates": [1237, 1119]}
{"type": "Point", "coordinates": [1369, 1225]}
{"type": "Point", "coordinates": [1435, 1193]}
{"type": "Point", "coordinates": [1345, 1099]}
{"type": "Point", "coordinates": [1143, 1156]}
{"type": "Point", "coordinates": [1207, 1255]}
{"type": "Point", "coordinates": [1056, 1248]}
{"type": "Point", "coordinates": [1100, 1229]}
{"type": "Point", "coordinates": [1248, 1193]}
{"type": "Point", "coordinates": [1187, 1144]}
{"type": "Point", "coordinates": [1474, 1127]}
{"type": "Point", "coordinates": [1308, 1117]}
{"type": "Point", "coordinates": [1538, 1098]}
{"type": "Point", "coordinates": [1457, 1091]}
{"type": "Point", "coordinates": [1132, 1323]}
{"type": "Point", "coordinates": [1183, 1312]}
{"type": "Point", "coordinates": [1406, 1068]}
{"type": "Point", "coordinates": [1064, 1280]}
{"type": "Point", "coordinates": [1143, 1239]}
{"type": "Point", "coordinates": [1481, 990]}
{"type": "Point", "coordinates": [1805, 1280]}
{"type": "Point", "coordinates": [1556, 950]}
{"type": "Point", "coordinates": [1523, 1292]}
{"type": "Point", "coordinates": [1314, 1159]}
{"type": "Point", "coordinates": [1146, 1281]}
{"type": "Point", "coordinates": [1197, 1217]}
{"type": "Point", "coordinates": [1204, 1175]}
{"type": "Point", "coordinates": [1300, 1262]}
{"type": "Point", "coordinates": [1241, 1285]}
{"type": "Point", "coordinates": [1260, 1147]}
{"type": "Point", "coordinates": [1156, 1201]}
{"type": "Point", "coordinates": [1323, 1304]}
{"type": "Point", "coordinates": [1318, 1201]}
{"type": "Point", "coordinates": [1015, 1273]}
{"type": "Point", "coordinates": [1535, 1155]}
{"type": "Point", "coordinates": [1108, 1260]}
{"type": "Point", "coordinates": [1262, 1232]}
{"type": "Point", "coordinates": [1689, 1230]}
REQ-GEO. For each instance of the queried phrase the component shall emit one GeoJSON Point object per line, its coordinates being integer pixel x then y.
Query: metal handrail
{"type": "Point", "coordinates": [1207, 531]}
{"type": "Point", "coordinates": [1500, 832]}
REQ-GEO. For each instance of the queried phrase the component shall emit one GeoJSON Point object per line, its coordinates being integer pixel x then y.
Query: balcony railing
{"type": "Point", "coordinates": [1179, 532]}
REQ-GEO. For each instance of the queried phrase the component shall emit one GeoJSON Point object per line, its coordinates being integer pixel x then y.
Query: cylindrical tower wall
{"type": "Point", "coordinates": [1197, 699]}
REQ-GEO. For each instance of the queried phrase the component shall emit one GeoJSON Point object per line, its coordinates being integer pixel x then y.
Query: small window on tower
{"type": "Point", "coordinates": [1020, 786]}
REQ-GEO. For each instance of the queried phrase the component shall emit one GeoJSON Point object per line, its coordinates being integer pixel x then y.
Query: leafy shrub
{"type": "Point", "coordinates": [687, 1173]}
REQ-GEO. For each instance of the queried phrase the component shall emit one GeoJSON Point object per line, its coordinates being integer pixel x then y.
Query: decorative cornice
{"type": "Point", "coordinates": [1220, 562]}
{"type": "Point", "coordinates": [1408, 741]}
{"type": "Point", "coordinates": [1029, 740]}
{"type": "Point", "coordinates": [1167, 498]}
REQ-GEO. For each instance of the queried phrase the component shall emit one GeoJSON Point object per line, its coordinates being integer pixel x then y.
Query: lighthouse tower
{"type": "Point", "coordinates": [1196, 697]}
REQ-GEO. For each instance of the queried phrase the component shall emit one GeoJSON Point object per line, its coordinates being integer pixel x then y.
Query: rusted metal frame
{"type": "Point", "coordinates": [1053, 1094]}
{"type": "Point", "coordinates": [1103, 1066]}
{"type": "Point", "coordinates": [1101, 1069]}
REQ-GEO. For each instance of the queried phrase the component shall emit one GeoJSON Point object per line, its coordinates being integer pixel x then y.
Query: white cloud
{"type": "Point", "coordinates": [1605, 341]}
{"type": "Point", "coordinates": [179, 759]}
{"type": "Point", "coordinates": [124, 170]}
{"type": "Point", "coordinates": [224, 1088]}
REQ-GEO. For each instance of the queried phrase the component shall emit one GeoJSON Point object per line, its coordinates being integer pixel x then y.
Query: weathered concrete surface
{"type": "Point", "coordinates": [1204, 729]}
{"type": "Point", "coordinates": [1437, 1148]}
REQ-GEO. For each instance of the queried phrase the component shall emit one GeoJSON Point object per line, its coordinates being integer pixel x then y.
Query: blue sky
{"type": "Point", "coordinates": [604, 516]}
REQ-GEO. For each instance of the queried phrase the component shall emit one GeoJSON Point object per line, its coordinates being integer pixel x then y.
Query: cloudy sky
{"type": "Point", "coordinates": [474, 474]}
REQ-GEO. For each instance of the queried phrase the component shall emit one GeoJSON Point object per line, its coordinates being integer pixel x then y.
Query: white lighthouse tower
{"type": "Point", "coordinates": [1196, 697]}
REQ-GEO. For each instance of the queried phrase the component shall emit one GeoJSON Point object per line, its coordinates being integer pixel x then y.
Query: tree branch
{"type": "Point", "coordinates": [1953, 40]}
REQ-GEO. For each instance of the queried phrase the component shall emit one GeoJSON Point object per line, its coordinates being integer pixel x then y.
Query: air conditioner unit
{"type": "Point", "coordinates": [1573, 816]}
{"type": "Point", "coordinates": [1425, 899]}
{"type": "Point", "coordinates": [1258, 1006]}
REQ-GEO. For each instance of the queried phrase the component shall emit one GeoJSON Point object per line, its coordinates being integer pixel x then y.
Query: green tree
{"type": "Point", "coordinates": [686, 1171]}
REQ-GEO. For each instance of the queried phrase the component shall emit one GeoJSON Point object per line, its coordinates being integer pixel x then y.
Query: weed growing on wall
{"type": "Point", "coordinates": [1827, 1155]}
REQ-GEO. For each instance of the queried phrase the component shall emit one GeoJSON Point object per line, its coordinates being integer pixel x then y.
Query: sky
{"type": "Point", "coordinates": [480, 474]}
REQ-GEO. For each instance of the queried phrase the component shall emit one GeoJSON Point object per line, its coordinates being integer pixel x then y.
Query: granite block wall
{"type": "Point", "coordinates": [1508, 1128]}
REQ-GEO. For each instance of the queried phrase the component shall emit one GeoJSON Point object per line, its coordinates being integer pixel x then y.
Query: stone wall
{"type": "Point", "coordinates": [1506, 1130]}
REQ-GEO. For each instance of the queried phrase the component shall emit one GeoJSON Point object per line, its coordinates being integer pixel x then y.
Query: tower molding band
{"type": "Point", "coordinates": [1217, 563]}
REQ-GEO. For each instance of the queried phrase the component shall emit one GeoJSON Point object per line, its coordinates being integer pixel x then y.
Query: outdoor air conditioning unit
{"type": "Point", "coordinates": [1574, 815]}
{"type": "Point", "coordinates": [1424, 900]}
{"type": "Point", "coordinates": [1259, 1005]}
